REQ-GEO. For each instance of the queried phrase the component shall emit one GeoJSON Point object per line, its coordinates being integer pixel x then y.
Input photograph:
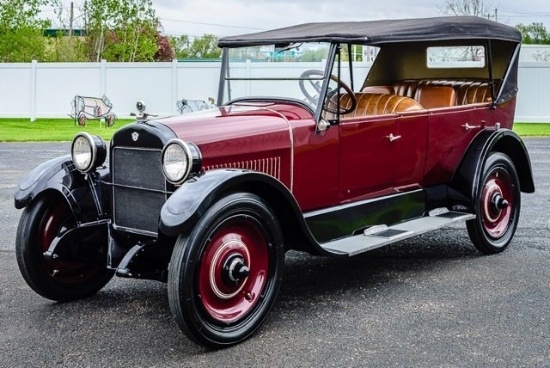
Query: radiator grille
{"type": "Point", "coordinates": [270, 166]}
{"type": "Point", "coordinates": [139, 188]}
{"type": "Point", "coordinates": [138, 168]}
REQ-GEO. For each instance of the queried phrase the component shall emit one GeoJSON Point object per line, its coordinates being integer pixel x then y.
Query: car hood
{"type": "Point", "coordinates": [235, 130]}
{"type": "Point", "coordinates": [232, 122]}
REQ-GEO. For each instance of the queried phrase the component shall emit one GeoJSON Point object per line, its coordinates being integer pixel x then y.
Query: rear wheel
{"type": "Point", "coordinates": [110, 120]}
{"type": "Point", "coordinates": [82, 120]}
{"type": "Point", "coordinates": [497, 205]}
{"type": "Point", "coordinates": [40, 223]}
{"type": "Point", "coordinates": [224, 277]}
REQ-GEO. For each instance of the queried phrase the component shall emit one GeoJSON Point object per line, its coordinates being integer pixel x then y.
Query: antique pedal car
{"type": "Point", "coordinates": [305, 151]}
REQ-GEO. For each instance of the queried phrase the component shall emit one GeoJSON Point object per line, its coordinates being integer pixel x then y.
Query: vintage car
{"type": "Point", "coordinates": [305, 151]}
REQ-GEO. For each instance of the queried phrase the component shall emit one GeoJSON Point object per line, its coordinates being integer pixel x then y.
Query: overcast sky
{"type": "Point", "coordinates": [231, 17]}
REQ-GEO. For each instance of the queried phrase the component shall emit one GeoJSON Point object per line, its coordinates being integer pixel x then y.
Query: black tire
{"type": "Point", "coordinates": [212, 306]}
{"type": "Point", "coordinates": [57, 280]}
{"type": "Point", "coordinates": [497, 205]}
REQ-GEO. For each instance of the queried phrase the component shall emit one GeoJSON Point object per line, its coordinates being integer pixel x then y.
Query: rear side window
{"type": "Point", "coordinates": [456, 57]}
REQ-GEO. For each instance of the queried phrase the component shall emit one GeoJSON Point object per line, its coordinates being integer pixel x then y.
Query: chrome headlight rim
{"type": "Point", "coordinates": [188, 158]}
{"type": "Point", "coordinates": [98, 152]}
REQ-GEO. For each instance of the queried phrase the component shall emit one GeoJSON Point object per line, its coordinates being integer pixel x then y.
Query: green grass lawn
{"type": "Point", "coordinates": [22, 130]}
{"type": "Point", "coordinates": [532, 129]}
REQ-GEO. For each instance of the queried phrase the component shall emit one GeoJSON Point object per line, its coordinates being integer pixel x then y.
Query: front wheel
{"type": "Point", "coordinates": [497, 205]}
{"type": "Point", "coordinates": [224, 277]}
{"type": "Point", "coordinates": [44, 219]}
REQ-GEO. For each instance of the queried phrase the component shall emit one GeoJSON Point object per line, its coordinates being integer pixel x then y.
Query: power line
{"type": "Point", "coordinates": [211, 24]}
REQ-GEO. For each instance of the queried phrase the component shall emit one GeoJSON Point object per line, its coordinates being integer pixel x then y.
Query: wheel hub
{"type": "Point", "coordinates": [499, 203]}
{"type": "Point", "coordinates": [235, 270]}
{"type": "Point", "coordinates": [494, 202]}
{"type": "Point", "coordinates": [229, 269]}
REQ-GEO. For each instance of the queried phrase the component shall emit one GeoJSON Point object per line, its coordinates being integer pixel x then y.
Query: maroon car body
{"type": "Point", "coordinates": [299, 154]}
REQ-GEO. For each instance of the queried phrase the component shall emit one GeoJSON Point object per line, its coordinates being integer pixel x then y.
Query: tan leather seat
{"type": "Point", "coordinates": [431, 97]}
{"type": "Point", "coordinates": [476, 93]}
{"type": "Point", "coordinates": [379, 89]}
{"type": "Point", "coordinates": [467, 92]}
{"type": "Point", "coordinates": [369, 104]}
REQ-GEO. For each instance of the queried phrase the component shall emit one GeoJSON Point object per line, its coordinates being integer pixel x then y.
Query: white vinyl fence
{"type": "Point", "coordinates": [41, 90]}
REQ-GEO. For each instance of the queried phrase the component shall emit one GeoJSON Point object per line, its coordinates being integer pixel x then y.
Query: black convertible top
{"type": "Point", "coordinates": [381, 31]}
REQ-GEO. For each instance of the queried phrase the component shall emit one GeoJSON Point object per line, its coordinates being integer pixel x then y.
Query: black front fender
{"type": "Point", "coordinates": [53, 174]}
{"type": "Point", "coordinates": [59, 175]}
{"type": "Point", "coordinates": [183, 209]}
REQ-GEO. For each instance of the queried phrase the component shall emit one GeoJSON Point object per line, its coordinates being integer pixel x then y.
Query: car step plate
{"type": "Point", "coordinates": [381, 235]}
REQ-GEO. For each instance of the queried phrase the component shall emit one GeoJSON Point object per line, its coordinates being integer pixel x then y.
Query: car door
{"type": "Point", "coordinates": [381, 155]}
{"type": "Point", "coordinates": [450, 133]}
{"type": "Point", "coordinates": [369, 158]}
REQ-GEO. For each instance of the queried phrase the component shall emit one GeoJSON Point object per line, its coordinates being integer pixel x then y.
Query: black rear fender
{"type": "Point", "coordinates": [467, 177]}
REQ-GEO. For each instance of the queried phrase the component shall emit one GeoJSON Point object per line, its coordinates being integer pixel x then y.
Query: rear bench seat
{"type": "Point", "coordinates": [437, 93]}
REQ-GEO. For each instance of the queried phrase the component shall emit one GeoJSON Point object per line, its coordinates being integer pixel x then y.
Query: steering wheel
{"type": "Point", "coordinates": [317, 87]}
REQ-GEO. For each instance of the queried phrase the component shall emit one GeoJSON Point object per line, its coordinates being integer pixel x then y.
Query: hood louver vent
{"type": "Point", "coordinates": [270, 166]}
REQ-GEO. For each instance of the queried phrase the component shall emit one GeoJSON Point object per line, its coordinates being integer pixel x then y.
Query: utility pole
{"type": "Point", "coordinates": [71, 19]}
{"type": "Point", "coordinates": [496, 14]}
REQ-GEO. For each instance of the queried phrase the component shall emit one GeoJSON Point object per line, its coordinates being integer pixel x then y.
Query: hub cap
{"type": "Point", "coordinates": [233, 270]}
{"type": "Point", "coordinates": [497, 201]}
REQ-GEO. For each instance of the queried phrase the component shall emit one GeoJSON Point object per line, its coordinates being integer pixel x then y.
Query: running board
{"type": "Point", "coordinates": [381, 235]}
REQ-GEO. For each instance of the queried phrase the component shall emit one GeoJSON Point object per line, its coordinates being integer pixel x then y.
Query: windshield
{"type": "Point", "coordinates": [277, 71]}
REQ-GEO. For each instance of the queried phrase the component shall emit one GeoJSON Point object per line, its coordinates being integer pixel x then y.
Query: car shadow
{"type": "Point", "coordinates": [310, 277]}
{"type": "Point", "coordinates": [136, 313]}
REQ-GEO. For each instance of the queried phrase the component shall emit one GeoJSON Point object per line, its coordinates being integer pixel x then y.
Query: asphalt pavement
{"type": "Point", "coordinates": [432, 301]}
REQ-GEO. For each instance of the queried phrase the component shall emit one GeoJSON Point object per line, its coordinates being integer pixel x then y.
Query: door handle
{"type": "Point", "coordinates": [470, 127]}
{"type": "Point", "coordinates": [392, 137]}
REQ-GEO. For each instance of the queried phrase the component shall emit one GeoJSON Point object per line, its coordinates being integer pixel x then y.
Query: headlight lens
{"type": "Point", "coordinates": [176, 161]}
{"type": "Point", "coordinates": [88, 152]}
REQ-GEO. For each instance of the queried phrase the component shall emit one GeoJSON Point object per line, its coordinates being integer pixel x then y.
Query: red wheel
{"type": "Point", "coordinates": [58, 280]}
{"type": "Point", "coordinates": [110, 120]}
{"type": "Point", "coordinates": [223, 279]}
{"type": "Point", "coordinates": [497, 205]}
{"type": "Point", "coordinates": [82, 120]}
{"type": "Point", "coordinates": [233, 270]}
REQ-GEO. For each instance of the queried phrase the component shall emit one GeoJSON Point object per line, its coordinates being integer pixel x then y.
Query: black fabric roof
{"type": "Point", "coordinates": [381, 31]}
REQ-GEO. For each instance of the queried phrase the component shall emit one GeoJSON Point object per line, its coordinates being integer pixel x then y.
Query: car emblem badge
{"type": "Point", "coordinates": [135, 136]}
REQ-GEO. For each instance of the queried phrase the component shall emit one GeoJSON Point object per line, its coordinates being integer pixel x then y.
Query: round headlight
{"type": "Point", "coordinates": [88, 152]}
{"type": "Point", "coordinates": [176, 161]}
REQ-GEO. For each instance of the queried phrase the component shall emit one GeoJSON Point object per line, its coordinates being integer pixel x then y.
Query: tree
{"type": "Point", "coordinates": [181, 46]}
{"type": "Point", "coordinates": [21, 30]}
{"type": "Point", "coordinates": [121, 30]}
{"type": "Point", "coordinates": [205, 47]}
{"type": "Point", "coordinates": [479, 8]}
{"type": "Point", "coordinates": [65, 48]}
{"type": "Point", "coordinates": [534, 33]}
{"type": "Point", "coordinates": [164, 49]}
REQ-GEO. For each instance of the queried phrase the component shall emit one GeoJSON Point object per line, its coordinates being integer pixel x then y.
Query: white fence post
{"type": "Point", "coordinates": [34, 64]}
{"type": "Point", "coordinates": [174, 85]}
{"type": "Point", "coordinates": [248, 73]}
{"type": "Point", "coordinates": [103, 77]}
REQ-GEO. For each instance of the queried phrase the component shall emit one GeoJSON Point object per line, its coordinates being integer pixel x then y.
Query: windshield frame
{"type": "Point", "coordinates": [225, 80]}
